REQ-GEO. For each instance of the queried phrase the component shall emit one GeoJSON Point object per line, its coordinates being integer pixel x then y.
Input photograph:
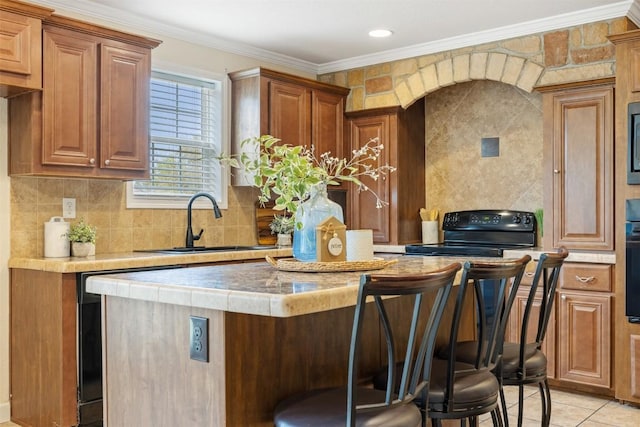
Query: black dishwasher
{"type": "Point", "coordinates": [90, 347]}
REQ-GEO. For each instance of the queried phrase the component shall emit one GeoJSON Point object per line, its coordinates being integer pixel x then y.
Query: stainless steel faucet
{"type": "Point", "coordinates": [216, 212]}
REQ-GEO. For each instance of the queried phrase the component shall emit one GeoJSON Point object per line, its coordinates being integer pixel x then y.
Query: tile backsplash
{"type": "Point", "coordinates": [457, 177]}
{"type": "Point", "coordinates": [102, 203]}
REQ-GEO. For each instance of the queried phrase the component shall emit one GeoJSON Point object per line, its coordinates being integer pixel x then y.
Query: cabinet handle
{"type": "Point", "coordinates": [585, 279]}
{"type": "Point", "coordinates": [529, 273]}
{"type": "Point", "coordinates": [556, 171]}
{"type": "Point", "coordinates": [106, 162]}
{"type": "Point", "coordinates": [92, 161]}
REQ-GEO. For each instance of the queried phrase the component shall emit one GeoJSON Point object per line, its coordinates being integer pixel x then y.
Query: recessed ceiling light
{"type": "Point", "coordinates": [380, 33]}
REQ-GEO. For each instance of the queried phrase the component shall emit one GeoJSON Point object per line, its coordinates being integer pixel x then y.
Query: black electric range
{"type": "Point", "coordinates": [484, 233]}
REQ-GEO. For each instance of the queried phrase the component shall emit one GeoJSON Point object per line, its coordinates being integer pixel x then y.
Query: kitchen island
{"type": "Point", "coordinates": [271, 333]}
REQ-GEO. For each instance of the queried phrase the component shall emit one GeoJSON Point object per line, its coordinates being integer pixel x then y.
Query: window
{"type": "Point", "coordinates": [185, 129]}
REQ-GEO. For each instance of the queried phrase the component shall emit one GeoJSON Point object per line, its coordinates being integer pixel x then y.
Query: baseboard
{"type": "Point", "coordinates": [5, 412]}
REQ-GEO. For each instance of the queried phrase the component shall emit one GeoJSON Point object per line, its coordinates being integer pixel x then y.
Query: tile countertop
{"type": "Point", "coordinates": [139, 259]}
{"type": "Point", "coordinates": [252, 288]}
{"type": "Point", "coordinates": [149, 259]}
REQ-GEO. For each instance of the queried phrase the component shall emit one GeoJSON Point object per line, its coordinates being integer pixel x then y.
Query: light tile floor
{"type": "Point", "coordinates": [567, 410]}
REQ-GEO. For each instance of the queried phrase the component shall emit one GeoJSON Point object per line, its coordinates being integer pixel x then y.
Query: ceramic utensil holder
{"type": "Point", "coordinates": [430, 232]}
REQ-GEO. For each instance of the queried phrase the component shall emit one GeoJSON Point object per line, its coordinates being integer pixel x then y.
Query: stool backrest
{"type": "Point", "coordinates": [547, 273]}
{"type": "Point", "coordinates": [421, 332]}
{"type": "Point", "coordinates": [490, 332]}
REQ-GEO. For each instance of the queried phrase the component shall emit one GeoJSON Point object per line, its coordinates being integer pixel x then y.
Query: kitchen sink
{"type": "Point", "coordinates": [201, 249]}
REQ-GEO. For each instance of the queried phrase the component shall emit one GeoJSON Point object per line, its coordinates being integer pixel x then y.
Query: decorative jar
{"type": "Point", "coordinates": [309, 214]}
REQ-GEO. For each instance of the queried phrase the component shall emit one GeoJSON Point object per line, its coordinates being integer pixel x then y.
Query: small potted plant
{"type": "Point", "coordinates": [83, 239]}
{"type": "Point", "coordinates": [282, 226]}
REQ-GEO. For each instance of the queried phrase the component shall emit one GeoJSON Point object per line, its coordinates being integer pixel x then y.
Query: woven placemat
{"type": "Point", "coordinates": [292, 264]}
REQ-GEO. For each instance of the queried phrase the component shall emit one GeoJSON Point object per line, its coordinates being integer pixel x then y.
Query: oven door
{"type": "Point", "coordinates": [632, 278]}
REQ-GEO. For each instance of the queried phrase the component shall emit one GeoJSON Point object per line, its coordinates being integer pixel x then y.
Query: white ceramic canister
{"type": "Point", "coordinates": [56, 244]}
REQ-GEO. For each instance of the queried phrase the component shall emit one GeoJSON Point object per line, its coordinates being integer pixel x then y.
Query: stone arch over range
{"type": "Point", "coordinates": [510, 69]}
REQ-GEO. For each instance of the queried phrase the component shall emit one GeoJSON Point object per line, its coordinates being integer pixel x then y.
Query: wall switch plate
{"type": "Point", "coordinates": [199, 338]}
{"type": "Point", "coordinates": [68, 207]}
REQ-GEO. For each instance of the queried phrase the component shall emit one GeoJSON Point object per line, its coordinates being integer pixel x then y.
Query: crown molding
{"type": "Point", "coordinates": [602, 13]}
{"type": "Point", "coordinates": [129, 22]}
{"type": "Point", "coordinates": [118, 18]}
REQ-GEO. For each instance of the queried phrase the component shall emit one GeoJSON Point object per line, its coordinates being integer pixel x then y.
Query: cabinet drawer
{"type": "Point", "coordinates": [591, 277]}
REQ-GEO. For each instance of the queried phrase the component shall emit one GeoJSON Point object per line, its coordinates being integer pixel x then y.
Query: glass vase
{"type": "Point", "coordinates": [310, 214]}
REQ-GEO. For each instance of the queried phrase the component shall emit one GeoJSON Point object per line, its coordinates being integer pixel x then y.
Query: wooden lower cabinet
{"type": "Point", "coordinates": [580, 331]}
{"type": "Point", "coordinates": [584, 337]}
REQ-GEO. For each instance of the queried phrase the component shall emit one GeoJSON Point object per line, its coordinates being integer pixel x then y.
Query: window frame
{"type": "Point", "coordinates": [134, 201]}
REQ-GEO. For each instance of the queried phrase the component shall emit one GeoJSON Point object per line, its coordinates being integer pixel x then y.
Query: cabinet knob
{"type": "Point", "coordinates": [556, 171]}
{"type": "Point", "coordinates": [563, 297]}
{"type": "Point", "coordinates": [106, 162]}
{"type": "Point", "coordinates": [92, 161]}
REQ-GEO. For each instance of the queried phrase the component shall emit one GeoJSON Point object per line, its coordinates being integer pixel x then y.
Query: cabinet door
{"type": "Point", "coordinates": [20, 53]}
{"type": "Point", "coordinates": [124, 107]}
{"type": "Point", "coordinates": [327, 111]}
{"type": "Point", "coordinates": [515, 327]}
{"type": "Point", "coordinates": [584, 338]}
{"type": "Point", "coordinates": [365, 215]}
{"type": "Point", "coordinates": [583, 169]}
{"type": "Point", "coordinates": [290, 113]}
{"type": "Point", "coordinates": [69, 99]}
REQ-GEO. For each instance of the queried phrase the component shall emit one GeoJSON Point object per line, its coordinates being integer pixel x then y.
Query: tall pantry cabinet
{"type": "Point", "coordinates": [578, 214]}
{"type": "Point", "coordinates": [402, 132]}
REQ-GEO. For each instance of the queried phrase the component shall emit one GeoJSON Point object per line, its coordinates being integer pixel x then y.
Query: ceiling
{"type": "Point", "coordinates": [329, 35]}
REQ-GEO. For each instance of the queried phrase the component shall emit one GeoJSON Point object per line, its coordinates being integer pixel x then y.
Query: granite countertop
{"type": "Point", "coordinates": [252, 288]}
{"type": "Point", "coordinates": [574, 256]}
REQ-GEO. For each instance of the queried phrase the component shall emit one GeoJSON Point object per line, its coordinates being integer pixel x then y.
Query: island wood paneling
{"type": "Point", "coordinates": [255, 361]}
{"type": "Point", "coordinates": [149, 376]}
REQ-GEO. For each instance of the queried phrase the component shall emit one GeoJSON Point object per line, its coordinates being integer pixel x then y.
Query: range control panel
{"type": "Point", "coordinates": [503, 220]}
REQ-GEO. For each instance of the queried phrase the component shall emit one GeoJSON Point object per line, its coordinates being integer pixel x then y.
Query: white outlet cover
{"type": "Point", "coordinates": [68, 207]}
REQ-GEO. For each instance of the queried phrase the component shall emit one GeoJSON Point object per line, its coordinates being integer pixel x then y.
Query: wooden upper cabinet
{"type": "Point", "coordinates": [578, 162]}
{"type": "Point", "coordinates": [124, 107]}
{"type": "Point", "coordinates": [296, 110]}
{"type": "Point", "coordinates": [20, 47]}
{"type": "Point", "coordinates": [290, 113]}
{"type": "Point", "coordinates": [402, 132]}
{"type": "Point", "coordinates": [70, 106]}
{"type": "Point", "coordinates": [92, 117]}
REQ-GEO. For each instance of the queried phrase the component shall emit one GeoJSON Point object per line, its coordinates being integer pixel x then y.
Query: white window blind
{"type": "Point", "coordinates": [185, 136]}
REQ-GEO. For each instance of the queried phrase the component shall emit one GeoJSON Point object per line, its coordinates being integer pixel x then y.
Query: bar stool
{"type": "Point", "coordinates": [346, 405]}
{"type": "Point", "coordinates": [524, 362]}
{"type": "Point", "coordinates": [465, 389]}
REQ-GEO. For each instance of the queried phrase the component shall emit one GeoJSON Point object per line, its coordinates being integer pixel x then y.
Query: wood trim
{"type": "Point", "coordinates": [34, 11]}
{"type": "Point", "coordinates": [608, 81]}
{"type": "Point", "coordinates": [288, 78]}
{"type": "Point", "coordinates": [97, 30]}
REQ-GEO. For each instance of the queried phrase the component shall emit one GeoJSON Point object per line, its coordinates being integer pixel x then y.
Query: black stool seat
{"type": "Point", "coordinates": [535, 364]}
{"type": "Point", "coordinates": [327, 408]}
